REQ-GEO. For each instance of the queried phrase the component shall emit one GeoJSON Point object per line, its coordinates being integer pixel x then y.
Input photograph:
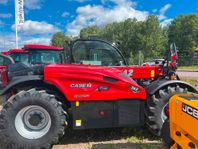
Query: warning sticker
{"type": "Point", "coordinates": [78, 123]}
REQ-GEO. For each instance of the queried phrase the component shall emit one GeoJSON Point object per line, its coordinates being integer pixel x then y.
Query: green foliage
{"type": "Point", "coordinates": [153, 40]}
{"type": "Point", "coordinates": [193, 81]}
{"type": "Point", "coordinates": [131, 59]}
{"type": "Point", "coordinates": [59, 39]}
{"type": "Point", "coordinates": [188, 68]}
{"type": "Point", "coordinates": [132, 36]}
{"type": "Point", "coordinates": [90, 31]}
{"type": "Point", "coordinates": [134, 59]}
{"type": "Point", "coordinates": [148, 36]}
{"type": "Point", "coordinates": [184, 32]}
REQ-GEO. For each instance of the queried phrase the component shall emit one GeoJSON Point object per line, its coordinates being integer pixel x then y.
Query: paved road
{"type": "Point", "coordinates": [187, 74]}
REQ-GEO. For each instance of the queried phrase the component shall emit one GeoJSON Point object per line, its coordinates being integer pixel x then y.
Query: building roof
{"type": "Point", "coordinates": [196, 50]}
{"type": "Point", "coordinates": [41, 47]}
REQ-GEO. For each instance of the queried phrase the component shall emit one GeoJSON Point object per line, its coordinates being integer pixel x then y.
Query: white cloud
{"type": "Point", "coordinates": [1, 23]}
{"type": "Point", "coordinates": [39, 40]}
{"type": "Point", "coordinates": [163, 11]}
{"type": "Point", "coordinates": [33, 4]}
{"type": "Point", "coordinates": [65, 14]}
{"type": "Point", "coordinates": [80, 1]}
{"type": "Point", "coordinates": [166, 22]}
{"type": "Point", "coordinates": [101, 15]}
{"type": "Point", "coordinates": [7, 41]}
{"type": "Point", "coordinates": [5, 15]}
{"type": "Point", "coordinates": [120, 2]}
{"type": "Point", "coordinates": [4, 2]}
{"type": "Point", "coordinates": [35, 27]}
{"type": "Point", "coordinates": [165, 8]}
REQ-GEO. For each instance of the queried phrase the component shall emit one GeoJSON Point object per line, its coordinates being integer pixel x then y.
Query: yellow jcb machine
{"type": "Point", "coordinates": [180, 131]}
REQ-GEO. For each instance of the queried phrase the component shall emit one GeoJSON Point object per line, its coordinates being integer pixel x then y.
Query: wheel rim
{"type": "Point", "coordinates": [163, 114]}
{"type": "Point", "coordinates": [32, 122]}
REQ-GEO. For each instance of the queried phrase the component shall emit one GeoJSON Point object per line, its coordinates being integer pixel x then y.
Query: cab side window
{"type": "Point", "coordinates": [96, 53]}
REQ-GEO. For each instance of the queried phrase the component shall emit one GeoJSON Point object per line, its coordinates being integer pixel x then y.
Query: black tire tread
{"type": "Point", "coordinates": [155, 103]}
{"type": "Point", "coordinates": [5, 135]}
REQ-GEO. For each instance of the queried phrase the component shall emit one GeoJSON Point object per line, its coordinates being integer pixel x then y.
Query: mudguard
{"type": "Point", "coordinates": [18, 80]}
{"type": "Point", "coordinates": [156, 85]}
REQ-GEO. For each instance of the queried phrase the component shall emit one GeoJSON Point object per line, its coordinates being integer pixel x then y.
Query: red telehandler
{"type": "Point", "coordinates": [31, 54]}
{"type": "Point", "coordinates": [37, 54]}
{"type": "Point", "coordinates": [44, 100]}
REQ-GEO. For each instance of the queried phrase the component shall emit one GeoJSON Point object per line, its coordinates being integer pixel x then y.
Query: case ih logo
{"type": "Point", "coordinates": [84, 85]}
{"type": "Point", "coordinates": [190, 110]}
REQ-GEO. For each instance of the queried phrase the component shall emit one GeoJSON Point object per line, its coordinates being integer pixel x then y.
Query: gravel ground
{"type": "Point", "coordinates": [109, 139]}
{"type": "Point", "coordinates": [113, 144]}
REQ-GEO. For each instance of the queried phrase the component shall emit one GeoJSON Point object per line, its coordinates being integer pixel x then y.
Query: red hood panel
{"type": "Point", "coordinates": [81, 82]}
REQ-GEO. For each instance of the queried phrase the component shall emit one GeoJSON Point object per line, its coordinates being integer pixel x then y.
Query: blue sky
{"type": "Point", "coordinates": [45, 17]}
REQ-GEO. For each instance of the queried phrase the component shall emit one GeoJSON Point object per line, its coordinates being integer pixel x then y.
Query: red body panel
{"type": "Point", "coordinates": [18, 51]}
{"type": "Point", "coordinates": [3, 74]}
{"type": "Point", "coordinates": [65, 77]}
{"type": "Point", "coordinates": [43, 47]}
{"type": "Point", "coordinates": [5, 52]}
{"type": "Point", "coordinates": [141, 72]}
{"type": "Point", "coordinates": [14, 51]}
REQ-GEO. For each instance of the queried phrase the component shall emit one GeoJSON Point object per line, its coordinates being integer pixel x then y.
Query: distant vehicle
{"type": "Point", "coordinates": [154, 62]}
{"type": "Point", "coordinates": [37, 54]}
{"type": "Point", "coordinates": [44, 54]}
{"type": "Point", "coordinates": [18, 55]}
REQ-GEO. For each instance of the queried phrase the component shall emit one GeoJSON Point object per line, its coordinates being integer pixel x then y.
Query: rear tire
{"type": "Point", "coordinates": [155, 114]}
{"type": "Point", "coordinates": [31, 120]}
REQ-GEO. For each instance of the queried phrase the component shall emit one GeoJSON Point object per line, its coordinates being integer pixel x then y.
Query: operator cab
{"type": "Point", "coordinates": [44, 54]}
{"type": "Point", "coordinates": [95, 52]}
{"type": "Point", "coordinates": [18, 55]}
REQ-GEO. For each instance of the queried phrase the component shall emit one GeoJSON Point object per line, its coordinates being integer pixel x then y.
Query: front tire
{"type": "Point", "coordinates": [166, 134]}
{"type": "Point", "coordinates": [32, 119]}
{"type": "Point", "coordinates": [156, 104]}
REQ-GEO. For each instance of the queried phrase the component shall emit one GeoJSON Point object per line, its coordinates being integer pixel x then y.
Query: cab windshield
{"type": "Point", "coordinates": [20, 57]}
{"type": "Point", "coordinates": [45, 57]}
{"type": "Point", "coordinates": [96, 52]}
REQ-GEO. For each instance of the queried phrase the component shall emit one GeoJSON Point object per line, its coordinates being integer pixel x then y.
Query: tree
{"type": "Point", "coordinates": [153, 40]}
{"type": "Point", "coordinates": [184, 32]}
{"type": "Point", "coordinates": [125, 34]}
{"type": "Point", "coordinates": [59, 39]}
{"type": "Point", "coordinates": [147, 36]}
{"type": "Point", "coordinates": [90, 31]}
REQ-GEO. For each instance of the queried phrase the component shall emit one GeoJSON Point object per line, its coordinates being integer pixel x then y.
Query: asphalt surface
{"type": "Point", "coordinates": [188, 74]}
